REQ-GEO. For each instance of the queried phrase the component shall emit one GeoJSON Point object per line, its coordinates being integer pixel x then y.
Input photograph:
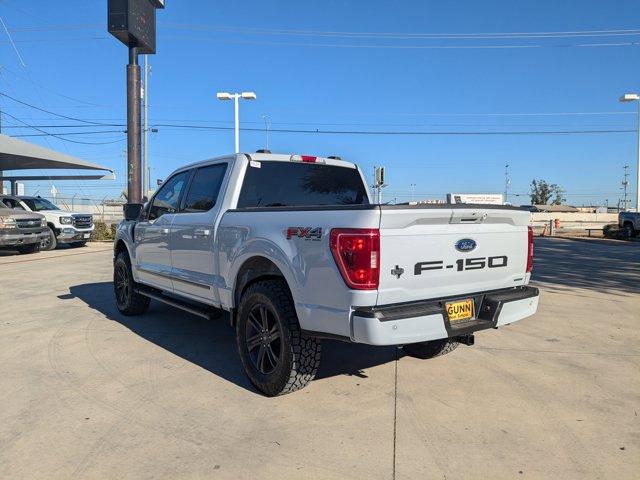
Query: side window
{"type": "Point", "coordinates": [12, 203]}
{"type": "Point", "coordinates": [168, 197]}
{"type": "Point", "coordinates": [204, 189]}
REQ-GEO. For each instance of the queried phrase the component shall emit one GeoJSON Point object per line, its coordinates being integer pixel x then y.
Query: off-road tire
{"type": "Point", "coordinates": [299, 355]}
{"type": "Point", "coordinates": [129, 302]}
{"type": "Point", "coordinates": [53, 241]}
{"type": "Point", "coordinates": [31, 248]}
{"type": "Point", "coordinates": [629, 231]}
{"type": "Point", "coordinates": [433, 348]}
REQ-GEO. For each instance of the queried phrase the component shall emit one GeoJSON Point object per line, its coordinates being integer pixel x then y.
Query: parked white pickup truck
{"type": "Point", "coordinates": [64, 227]}
{"type": "Point", "coordinates": [630, 223]}
{"type": "Point", "coordinates": [294, 249]}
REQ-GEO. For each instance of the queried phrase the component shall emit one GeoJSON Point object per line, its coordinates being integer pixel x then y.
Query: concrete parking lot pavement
{"type": "Point", "coordinates": [88, 393]}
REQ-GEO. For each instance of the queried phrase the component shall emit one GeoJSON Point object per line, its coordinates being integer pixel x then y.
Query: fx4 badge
{"type": "Point", "coordinates": [308, 233]}
{"type": "Point", "coordinates": [397, 272]}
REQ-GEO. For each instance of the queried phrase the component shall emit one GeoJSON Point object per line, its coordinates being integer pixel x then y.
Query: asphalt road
{"type": "Point", "coordinates": [88, 393]}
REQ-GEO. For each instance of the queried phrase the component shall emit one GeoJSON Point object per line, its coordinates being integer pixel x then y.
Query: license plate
{"type": "Point", "coordinates": [87, 235]}
{"type": "Point", "coordinates": [460, 311]}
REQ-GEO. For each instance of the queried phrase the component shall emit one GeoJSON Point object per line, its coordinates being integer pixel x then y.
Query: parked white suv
{"type": "Point", "coordinates": [64, 226]}
{"type": "Point", "coordinates": [295, 250]}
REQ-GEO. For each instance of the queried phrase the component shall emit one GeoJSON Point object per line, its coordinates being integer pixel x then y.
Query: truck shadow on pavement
{"type": "Point", "coordinates": [561, 264]}
{"type": "Point", "coordinates": [211, 344]}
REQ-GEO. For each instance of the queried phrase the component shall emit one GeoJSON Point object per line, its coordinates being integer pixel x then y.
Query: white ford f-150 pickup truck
{"type": "Point", "coordinates": [293, 248]}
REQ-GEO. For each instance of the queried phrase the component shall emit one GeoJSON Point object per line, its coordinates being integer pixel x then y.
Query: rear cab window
{"type": "Point", "coordinates": [293, 184]}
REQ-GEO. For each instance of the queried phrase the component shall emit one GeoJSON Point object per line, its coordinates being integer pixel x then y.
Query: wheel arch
{"type": "Point", "coordinates": [121, 246]}
{"type": "Point", "coordinates": [255, 269]}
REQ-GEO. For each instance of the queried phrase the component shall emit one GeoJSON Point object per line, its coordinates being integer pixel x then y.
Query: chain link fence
{"type": "Point", "coordinates": [106, 209]}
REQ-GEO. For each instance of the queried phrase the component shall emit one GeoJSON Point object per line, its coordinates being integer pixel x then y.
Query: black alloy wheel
{"type": "Point", "coordinates": [128, 300]}
{"type": "Point", "coordinates": [263, 339]}
{"type": "Point", "coordinates": [122, 284]}
{"type": "Point", "coordinates": [276, 355]}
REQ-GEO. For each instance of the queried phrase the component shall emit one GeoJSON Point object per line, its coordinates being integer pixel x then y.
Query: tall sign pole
{"type": "Point", "coordinates": [133, 22]}
{"type": "Point", "coordinates": [134, 150]}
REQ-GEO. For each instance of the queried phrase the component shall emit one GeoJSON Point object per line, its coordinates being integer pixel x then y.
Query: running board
{"type": "Point", "coordinates": [205, 312]}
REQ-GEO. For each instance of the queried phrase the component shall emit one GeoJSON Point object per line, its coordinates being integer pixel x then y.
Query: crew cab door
{"type": "Point", "coordinates": [192, 235]}
{"type": "Point", "coordinates": [152, 233]}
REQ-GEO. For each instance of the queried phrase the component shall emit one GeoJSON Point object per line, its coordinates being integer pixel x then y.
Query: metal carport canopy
{"type": "Point", "coordinates": [20, 155]}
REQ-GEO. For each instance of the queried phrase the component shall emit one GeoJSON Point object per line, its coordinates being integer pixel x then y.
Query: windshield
{"type": "Point", "coordinates": [39, 204]}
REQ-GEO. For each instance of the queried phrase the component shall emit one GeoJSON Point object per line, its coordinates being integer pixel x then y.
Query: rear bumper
{"type": "Point", "coordinates": [426, 320]}
{"type": "Point", "coordinates": [22, 238]}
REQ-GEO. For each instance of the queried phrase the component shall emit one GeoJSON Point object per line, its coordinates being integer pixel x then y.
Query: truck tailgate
{"type": "Point", "coordinates": [428, 252]}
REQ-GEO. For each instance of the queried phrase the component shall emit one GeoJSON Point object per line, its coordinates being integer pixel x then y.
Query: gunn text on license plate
{"type": "Point", "coordinates": [460, 310]}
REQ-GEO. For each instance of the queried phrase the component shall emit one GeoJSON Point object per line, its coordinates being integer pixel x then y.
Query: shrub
{"type": "Point", "coordinates": [613, 231]}
{"type": "Point", "coordinates": [104, 232]}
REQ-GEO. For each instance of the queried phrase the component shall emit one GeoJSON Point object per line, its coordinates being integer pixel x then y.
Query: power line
{"type": "Point", "coordinates": [54, 113]}
{"type": "Point", "coordinates": [409, 47]}
{"type": "Point", "coordinates": [396, 35]}
{"type": "Point", "coordinates": [352, 132]}
{"type": "Point", "coordinates": [391, 132]}
{"type": "Point", "coordinates": [13, 43]}
{"type": "Point", "coordinates": [78, 100]}
{"type": "Point", "coordinates": [64, 133]}
{"type": "Point", "coordinates": [57, 135]}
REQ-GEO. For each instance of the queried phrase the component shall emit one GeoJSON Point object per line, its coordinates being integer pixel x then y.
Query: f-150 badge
{"type": "Point", "coordinates": [308, 233]}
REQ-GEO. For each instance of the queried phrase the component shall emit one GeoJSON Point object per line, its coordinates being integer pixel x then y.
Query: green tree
{"type": "Point", "coordinates": [543, 193]}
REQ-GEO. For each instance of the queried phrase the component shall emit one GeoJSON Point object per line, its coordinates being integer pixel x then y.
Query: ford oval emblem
{"type": "Point", "coordinates": [465, 245]}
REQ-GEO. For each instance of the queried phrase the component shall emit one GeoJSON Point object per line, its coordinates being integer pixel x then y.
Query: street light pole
{"type": "Point", "coordinates": [266, 131]}
{"type": "Point", "coordinates": [236, 97]}
{"type": "Point", "coordinates": [237, 121]}
{"type": "Point", "coordinates": [634, 97]}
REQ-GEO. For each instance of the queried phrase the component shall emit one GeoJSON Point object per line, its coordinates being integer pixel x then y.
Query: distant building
{"type": "Point", "coordinates": [478, 198]}
{"type": "Point", "coordinates": [430, 201]}
{"type": "Point", "coordinates": [555, 208]}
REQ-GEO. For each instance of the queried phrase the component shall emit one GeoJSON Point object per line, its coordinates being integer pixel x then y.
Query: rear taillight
{"type": "Point", "coordinates": [357, 254]}
{"type": "Point", "coordinates": [530, 250]}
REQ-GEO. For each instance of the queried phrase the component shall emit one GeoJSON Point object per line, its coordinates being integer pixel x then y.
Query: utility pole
{"type": "Point", "coordinates": [507, 181]}
{"type": "Point", "coordinates": [145, 130]}
{"type": "Point", "coordinates": [412, 186]}
{"type": "Point", "coordinates": [625, 184]}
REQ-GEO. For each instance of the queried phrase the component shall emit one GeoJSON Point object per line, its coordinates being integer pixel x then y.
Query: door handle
{"type": "Point", "coordinates": [202, 232]}
{"type": "Point", "coordinates": [164, 231]}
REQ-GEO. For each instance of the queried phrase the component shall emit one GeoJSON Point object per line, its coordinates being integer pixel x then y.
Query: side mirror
{"type": "Point", "coordinates": [132, 210]}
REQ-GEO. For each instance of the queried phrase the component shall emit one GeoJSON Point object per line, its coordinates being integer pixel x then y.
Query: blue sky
{"type": "Point", "coordinates": [313, 79]}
